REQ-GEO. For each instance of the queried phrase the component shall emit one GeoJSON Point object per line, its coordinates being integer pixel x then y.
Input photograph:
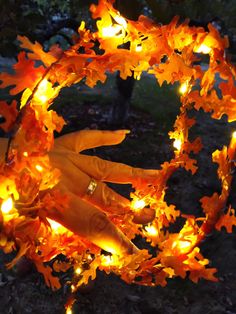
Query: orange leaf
{"type": "Point", "coordinates": [26, 75]}
{"type": "Point", "coordinates": [37, 51]}
{"type": "Point", "coordinates": [10, 113]}
{"type": "Point", "coordinates": [51, 281]}
{"type": "Point", "coordinates": [228, 221]}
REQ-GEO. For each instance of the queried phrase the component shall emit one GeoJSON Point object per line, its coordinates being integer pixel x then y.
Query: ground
{"type": "Point", "coordinates": [147, 146]}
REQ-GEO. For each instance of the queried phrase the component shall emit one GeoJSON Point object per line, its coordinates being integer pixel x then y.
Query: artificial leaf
{"type": "Point", "coordinates": [38, 53]}
{"type": "Point", "coordinates": [10, 113]}
{"type": "Point", "coordinates": [50, 280]}
{"type": "Point", "coordinates": [25, 76]}
{"type": "Point", "coordinates": [227, 220]}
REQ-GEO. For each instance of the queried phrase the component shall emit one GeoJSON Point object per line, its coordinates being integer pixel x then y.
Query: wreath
{"type": "Point", "coordinates": [171, 53]}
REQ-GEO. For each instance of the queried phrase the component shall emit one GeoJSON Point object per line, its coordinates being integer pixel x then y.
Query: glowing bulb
{"type": "Point", "coordinates": [182, 246]}
{"type": "Point", "coordinates": [183, 88]}
{"type": "Point", "coordinates": [109, 260]}
{"type": "Point", "coordinates": [43, 91]}
{"type": "Point", "coordinates": [120, 20]}
{"type": "Point", "coordinates": [69, 311]}
{"type": "Point", "coordinates": [73, 288]}
{"type": "Point", "coordinates": [56, 227]}
{"type": "Point", "coordinates": [111, 31]}
{"type": "Point", "coordinates": [106, 260]}
{"type": "Point", "coordinates": [151, 230]}
{"type": "Point", "coordinates": [43, 98]}
{"type": "Point", "coordinates": [177, 144]}
{"type": "Point", "coordinates": [138, 204]}
{"type": "Point", "coordinates": [203, 48]}
{"type": "Point", "coordinates": [138, 48]}
{"type": "Point", "coordinates": [7, 206]}
{"type": "Point", "coordinates": [25, 154]}
{"type": "Point", "coordinates": [232, 146]}
{"type": "Point", "coordinates": [78, 270]}
{"type": "Point", "coordinates": [39, 168]}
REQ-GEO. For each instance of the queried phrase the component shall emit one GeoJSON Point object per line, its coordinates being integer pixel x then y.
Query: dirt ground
{"type": "Point", "coordinates": [147, 146]}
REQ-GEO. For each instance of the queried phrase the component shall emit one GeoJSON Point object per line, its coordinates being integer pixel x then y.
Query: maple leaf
{"type": "Point", "coordinates": [228, 221]}
{"type": "Point", "coordinates": [10, 113]}
{"type": "Point", "coordinates": [25, 76]}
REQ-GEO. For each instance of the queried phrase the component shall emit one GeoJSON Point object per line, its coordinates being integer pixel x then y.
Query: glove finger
{"type": "Point", "coordinates": [87, 221]}
{"type": "Point", "coordinates": [144, 216]}
{"type": "Point", "coordinates": [86, 139]}
{"type": "Point", "coordinates": [78, 182]}
{"type": "Point", "coordinates": [108, 200]}
{"type": "Point", "coordinates": [102, 170]}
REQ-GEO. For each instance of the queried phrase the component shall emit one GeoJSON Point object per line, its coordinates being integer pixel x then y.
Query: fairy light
{"type": "Point", "coordinates": [138, 204]}
{"type": "Point", "coordinates": [25, 154]}
{"type": "Point", "coordinates": [151, 230]}
{"type": "Point", "coordinates": [39, 168]}
{"type": "Point", "coordinates": [121, 21]}
{"type": "Point", "coordinates": [203, 48]}
{"type": "Point", "coordinates": [69, 311]}
{"type": "Point", "coordinates": [177, 144]}
{"type": "Point", "coordinates": [138, 48]}
{"type": "Point", "coordinates": [111, 31]}
{"type": "Point", "coordinates": [184, 87]}
{"type": "Point", "coordinates": [78, 270]}
{"type": "Point", "coordinates": [7, 206]}
{"type": "Point", "coordinates": [182, 246]}
{"type": "Point", "coordinates": [43, 91]}
{"type": "Point", "coordinates": [109, 260]}
{"type": "Point", "coordinates": [232, 146]}
{"type": "Point", "coordinates": [56, 227]}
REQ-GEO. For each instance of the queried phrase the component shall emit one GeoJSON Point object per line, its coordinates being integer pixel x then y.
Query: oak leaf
{"type": "Point", "coordinates": [228, 221]}
{"type": "Point", "coordinates": [10, 113]}
{"type": "Point", "coordinates": [25, 76]}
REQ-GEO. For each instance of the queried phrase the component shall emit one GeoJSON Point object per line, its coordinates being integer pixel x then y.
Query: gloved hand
{"type": "Point", "coordinates": [82, 179]}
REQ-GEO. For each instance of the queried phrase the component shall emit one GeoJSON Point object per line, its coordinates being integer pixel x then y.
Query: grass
{"type": "Point", "coordinates": [161, 102]}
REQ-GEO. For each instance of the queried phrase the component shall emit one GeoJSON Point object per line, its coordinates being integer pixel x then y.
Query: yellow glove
{"type": "Point", "coordinates": [82, 179]}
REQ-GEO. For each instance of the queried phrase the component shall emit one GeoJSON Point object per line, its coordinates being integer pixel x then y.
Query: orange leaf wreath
{"type": "Point", "coordinates": [170, 53]}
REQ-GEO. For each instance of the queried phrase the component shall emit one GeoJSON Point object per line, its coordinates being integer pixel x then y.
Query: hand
{"type": "Point", "coordinates": [82, 179]}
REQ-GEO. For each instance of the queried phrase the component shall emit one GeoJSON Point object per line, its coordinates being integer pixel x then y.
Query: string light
{"type": "Point", "coordinates": [151, 230]}
{"type": "Point", "coordinates": [111, 31]}
{"type": "Point", "coordinates": [138, 204]}
{"type": "Point", "coordinates": [121, 21]}
{"type": "Point", "coordinates": [203, 48]}
{"type": "Point", "coordinates": [69, 311]}
{"type": "Point", "coordinates": [184, 87]}
{"type": "Point", "coordinates": [177, 144]}
{"type": "Point", "coordinates": [78, 271]}
{"type": "Point", "coordinates": [56, 227]}
{"type": "Point", "coordinates": [138, 48]}
{"type": "Point", "coordinates": [39, 168]}
{"type": "Point", "coordinates": [7, 206]}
